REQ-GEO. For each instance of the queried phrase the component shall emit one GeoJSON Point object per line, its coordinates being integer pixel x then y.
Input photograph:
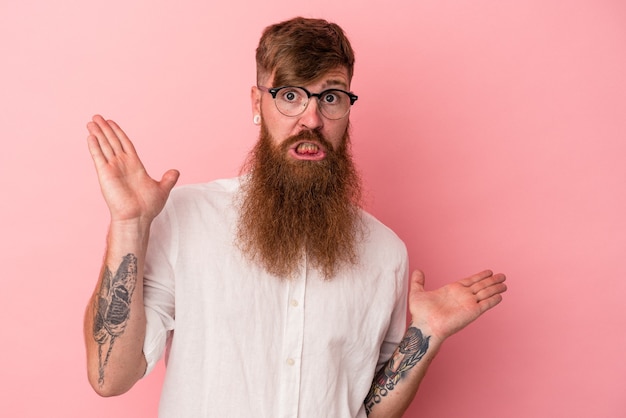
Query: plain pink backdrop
{"type": "Point", "coordinates": [490, 134]}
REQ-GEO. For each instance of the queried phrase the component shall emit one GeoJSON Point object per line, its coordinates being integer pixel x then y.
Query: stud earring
{"type": "Point", "coordinates": [257, 119]}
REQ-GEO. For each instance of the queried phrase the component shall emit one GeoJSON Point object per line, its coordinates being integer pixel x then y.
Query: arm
{"type": "Point", "coordinates": [436, 315]}
{"type": "Point", "coordinates": [115, 321]}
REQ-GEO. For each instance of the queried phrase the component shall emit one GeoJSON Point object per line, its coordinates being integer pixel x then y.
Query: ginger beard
{"type": "Point", "coordinates": [294, 208]}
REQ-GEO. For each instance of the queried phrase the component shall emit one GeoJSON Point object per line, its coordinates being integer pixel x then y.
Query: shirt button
{"type": "Point", "coordinates": [294, 303]}
{"type": "Point", "coordinates": [291, 361]}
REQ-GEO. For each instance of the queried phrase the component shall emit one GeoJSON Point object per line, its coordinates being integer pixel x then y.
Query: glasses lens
{"type": "Point", "coordinates": [335, 104]}
{"type": "Point", "coordinates": [291, 101]}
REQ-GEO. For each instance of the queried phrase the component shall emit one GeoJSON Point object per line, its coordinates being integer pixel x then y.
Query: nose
{"type": "Point", "coordinates": [312, 118]}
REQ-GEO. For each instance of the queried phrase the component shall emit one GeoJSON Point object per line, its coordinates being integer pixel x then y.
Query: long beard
{"type": "Point", "coordinates": [292, 208]}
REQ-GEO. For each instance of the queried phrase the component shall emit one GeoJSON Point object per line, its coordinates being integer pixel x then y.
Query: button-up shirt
{"type": "Point", "coordinates": [240, 342]}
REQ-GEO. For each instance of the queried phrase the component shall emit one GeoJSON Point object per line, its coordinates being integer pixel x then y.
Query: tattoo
{"type": "Point", "coordinates": [410, 351]}
{"type": "Point", "coordinates": [112, 308]}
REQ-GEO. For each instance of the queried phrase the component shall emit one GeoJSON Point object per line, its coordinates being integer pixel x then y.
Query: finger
{"type": "Point", "coordinates": [169, 179]}
{"type": "Point", "coordinates": [103, 143]}
{"type": "Point", "coordinates": [125, 142]}
{"type": "Point", "coordinates": [96, 151]}
{"type": "Point", "coordinates": [417, 281]}
{"type": "Point", "coordinates": [109, 133]}
{"type": "Point", "coordinates": [487, 282]}
{"type": "Point", "coordinates": [490, 302]}
{"type": "Point", "coordinates": [475, 278]}
{"type": "Point", "coordinates": [492, 290]}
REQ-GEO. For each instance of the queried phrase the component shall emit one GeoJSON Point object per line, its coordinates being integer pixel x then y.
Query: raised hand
{"type": "Point", "coordinates": [130, 193]}
{"type": "Point", "coordinates": [449, 309]}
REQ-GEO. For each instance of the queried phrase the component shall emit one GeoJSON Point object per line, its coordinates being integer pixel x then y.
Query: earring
{"type": "Point", "coordinates": [257, 119]}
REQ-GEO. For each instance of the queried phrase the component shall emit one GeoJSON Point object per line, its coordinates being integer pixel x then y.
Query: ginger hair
{"type": "Point", "coordinates": [300, 50]}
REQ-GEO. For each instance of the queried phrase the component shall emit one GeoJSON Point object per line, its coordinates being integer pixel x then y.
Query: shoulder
{"type": "Point", "coordinates": [214, 193]}
{"type": "Point", "coordinates": [380, 235]}
{"type": "Point", "coordinates": [381, 245]}
{"type": "Point", "coordinates": [216, 187]}
{"type": "Point", "coordinates": [192, 203]}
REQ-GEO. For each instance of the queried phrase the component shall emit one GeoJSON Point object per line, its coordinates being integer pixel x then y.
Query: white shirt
{"type": "Point", "coordinates": [243, 343]}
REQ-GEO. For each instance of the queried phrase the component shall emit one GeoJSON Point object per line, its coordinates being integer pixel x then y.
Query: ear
{"type": "Point", "coordinates": [255, 100]}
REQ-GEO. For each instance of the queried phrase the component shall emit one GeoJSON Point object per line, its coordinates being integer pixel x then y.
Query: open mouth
{"type": "Point", "coordinates": [307, 150]}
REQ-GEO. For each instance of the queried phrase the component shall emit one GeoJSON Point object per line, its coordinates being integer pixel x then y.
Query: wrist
{"type": "Point", "coordinates": [435, 338]}
{"type": "Point", "coordinates": [129, 230]}
{"type": "Point", "coordinates": [131, 224]}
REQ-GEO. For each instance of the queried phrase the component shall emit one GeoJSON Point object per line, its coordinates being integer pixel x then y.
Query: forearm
{"type": "Point", "coordinates": [115, 322]}
{"type": "Point", "coordinates": [396, 384]}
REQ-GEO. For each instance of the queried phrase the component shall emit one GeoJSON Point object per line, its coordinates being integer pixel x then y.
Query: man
{"type": "Point", "coordinates": [273, 294]}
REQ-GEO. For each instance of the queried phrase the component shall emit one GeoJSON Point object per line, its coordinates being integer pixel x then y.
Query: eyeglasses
{"type": "Point", "coordinates": [293, 101]}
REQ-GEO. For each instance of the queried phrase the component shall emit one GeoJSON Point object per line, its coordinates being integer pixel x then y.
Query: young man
{"type": "Point", "coordinates": [273, 294]}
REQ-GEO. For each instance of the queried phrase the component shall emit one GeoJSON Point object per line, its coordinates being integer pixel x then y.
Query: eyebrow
{"type": "Point", "coordinates": [333, 83]}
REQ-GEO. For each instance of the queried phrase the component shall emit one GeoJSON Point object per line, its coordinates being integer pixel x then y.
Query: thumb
{"type": "Point", "coordinates": [417, 281]}
{"type": "Point", "coordinates": [169, 179]}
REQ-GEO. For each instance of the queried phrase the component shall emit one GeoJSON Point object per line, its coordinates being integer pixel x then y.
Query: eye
{"type": "Point", "coordinates": [291, 95]}
{"type": "Point", "coordinates": [332, 97]}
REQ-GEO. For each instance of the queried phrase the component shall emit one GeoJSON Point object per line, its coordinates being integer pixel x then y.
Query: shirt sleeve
{"type": "Point", "coordinates": [397, 327]}
{"type": "Point", "coordinates": [158, 282]}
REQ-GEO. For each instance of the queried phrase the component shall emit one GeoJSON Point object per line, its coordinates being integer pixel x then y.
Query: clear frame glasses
{"type": "Point", "coordinates": [293, 101]}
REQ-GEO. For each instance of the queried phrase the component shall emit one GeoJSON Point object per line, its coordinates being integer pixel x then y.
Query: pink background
{"type": "Point", "coordinates": [490, 134]}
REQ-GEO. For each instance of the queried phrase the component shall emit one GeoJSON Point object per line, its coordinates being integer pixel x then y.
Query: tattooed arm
{"type": "Point", "coordinates": [396, 383]}
{"type": "Point", "coordinates": [436, 315]}
{"type": "Point", "coordinates": [115, 328]}
{"type": "Point", "coordinates": [115, 321]}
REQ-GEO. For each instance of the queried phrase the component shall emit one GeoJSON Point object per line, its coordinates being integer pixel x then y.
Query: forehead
{"type": "Point", "coordinates": [337, 77]}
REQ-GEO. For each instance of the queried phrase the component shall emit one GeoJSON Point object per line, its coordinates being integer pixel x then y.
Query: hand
{"type": "Point", "coordinates": [449, 309]}
{"type": "Point", "coordinates": [130, 193]}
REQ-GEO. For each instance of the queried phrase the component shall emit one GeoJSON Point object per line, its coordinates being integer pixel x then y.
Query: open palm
{"type": "Point", "coordinates": [130, 193]}
{"type": "Point", "coordinates": [449, 309]}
